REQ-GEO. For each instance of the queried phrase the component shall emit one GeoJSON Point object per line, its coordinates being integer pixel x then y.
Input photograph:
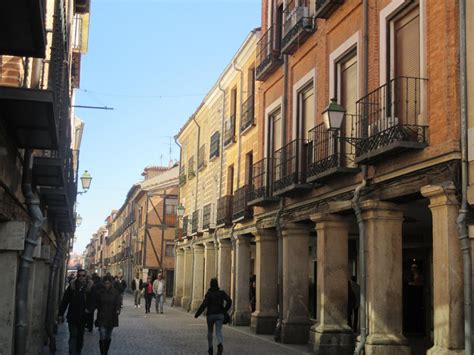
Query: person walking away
{"type": "Point", "coordinates": [78, 299]}
{"type": "Point", "coordinates": [252, 294]}
{"type": "Point", "coordinates": [159, 290]}
{"type": "Point", "coordinates": [214, 302]}
{"type": "Point", "coordinates": [148, 294]}
{"type": "Point", "coordinates": [120, 285]}
{"type": "Point", "coordinates": [108, 304]}
{"type": "Point", "coordinates": [137, 290]}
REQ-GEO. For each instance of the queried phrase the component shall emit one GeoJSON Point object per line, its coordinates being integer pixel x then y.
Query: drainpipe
{"type": "Point", "coordinates": [277, 335]}
{"type": "Point", "coordinates": [49, 324]}
{"type": "Point", "coordinates": [238, 129]}
{"type": "Point", "coordinates": [356, 199]}
{"type": "Point", "coordinates": [216, 251]}
{"type": "Point", "coordinates": [179, 201]}
{"type": "Point", "coordinates": [31, 241]}
{"type": "Point", "coordinates": [233, 239]}
{"type": "Point", "coordinates": [222, 139]}
{"type": "Point", "coordinates": [461, 220]}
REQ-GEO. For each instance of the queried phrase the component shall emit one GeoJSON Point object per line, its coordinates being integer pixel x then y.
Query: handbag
{"type": "Point", "coordinates": [226, 318]}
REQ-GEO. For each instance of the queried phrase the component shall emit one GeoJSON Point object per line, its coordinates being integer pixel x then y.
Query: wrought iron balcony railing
{"type": "Point", "coordinates": [268, 53]}
{"type": "Point", "coordinates": [240, 208]}
{"type": "Point", "coordinates": [331, 152]}
{"type": "Point", "coordinates": [224, 211]}
{"type": "Point", "coordinates": [185, 226]}
{"type": "Point", "coordinates": [191, 168]}
{"type": "Point", "coordinates": [229, 131]}
{"type": "Point", "coordinates": [298, 25]}
{"type": "Point", "coordinates": [207, 217]}
{"type": "Point", "coordinates": [289, 168]}
{"type": "Point", "coordinates": [195, 222]}
{"type": "Point", "coordinates": [261, 191]}
{"type": "Point", "coordinates": [390, 119]}
{"type": "Point", "coordinates": [248, 113]}
{"type": "Point", "coordinates": [202, 157]}
{"type": "Point", "coordinates": [182, 175]}
{"type": "Point", "coordinates": [324, 8]}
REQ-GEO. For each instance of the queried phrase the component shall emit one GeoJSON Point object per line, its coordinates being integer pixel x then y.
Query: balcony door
{"type": "Point", "coordinates": [405, 67]}
{"type": "Point", "coordinates": [275, 144]}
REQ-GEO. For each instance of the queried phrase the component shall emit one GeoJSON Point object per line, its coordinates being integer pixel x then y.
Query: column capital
{"type": "Point", "coordinates": [198, 248]}
{"type": "Point", "coordinates": [380, 210]}
{"type": "Point", "coordinates": [323, 220]}
{"type": "Point", "coordinates": [295, 229]}
{"type": "Point", "coordinates": [268, 233]}
{"type": "Point", "coordinates": [225, 243]}
{"type": "Point", "coordinates": [440, 195]}
{"type": "Point", "coordinates": [209, 245]}
{"type": "Point", "coordinates": [179, 251]}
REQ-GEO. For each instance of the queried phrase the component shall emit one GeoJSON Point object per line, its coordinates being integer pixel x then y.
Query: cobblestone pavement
{"type": "Point", "coordinates": [173, 332]}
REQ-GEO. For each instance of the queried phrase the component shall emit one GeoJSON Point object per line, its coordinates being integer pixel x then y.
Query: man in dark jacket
{"type": "Point", "coordinates": [79, 301]}
{"type": "Point", "coordinates": [120, 285]}
{"type": "Point", "coordinates": [216, 312]}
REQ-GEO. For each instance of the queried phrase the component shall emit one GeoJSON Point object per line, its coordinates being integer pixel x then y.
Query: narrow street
{"type": "Point", "coordinates": [174, 332]}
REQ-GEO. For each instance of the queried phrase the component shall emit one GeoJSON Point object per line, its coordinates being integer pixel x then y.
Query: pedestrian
{"type": "Point", "coordinates": [148, 294]}
{"type": "Point", "coordinates": [252, 294]}
{"type": "Point", "coordinates": [159, 291]}
{"type": "Point", "coordinates": [78, 299]}
{"type": "Point", "coordinates": [120, 285]}
{"type": "Point", "coordinates": [137, 290]}
{"type": "Point", "coordinates": [353, 304]}
{"type": "Point", "coordinates": [216, 313]}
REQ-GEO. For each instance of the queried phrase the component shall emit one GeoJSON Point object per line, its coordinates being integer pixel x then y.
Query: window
{"type": "Point", "coordinates": [169, 249]}
{"type": "Point", "coordinates": [191, 171]}
{"type": "Point", "coordinates": [171, 205]}
{"type": "Point", "coordinates": [215, 143]}
{"type": "Point", "coordinates": [248, 168]}
{"type": "Point", "coordinates": [306, 116]}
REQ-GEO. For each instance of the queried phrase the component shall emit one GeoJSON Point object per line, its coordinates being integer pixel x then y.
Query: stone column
{"type": "Point", "coordinates": [224, 264]}
{"type": "Point", "coordinates": [266, 271]}
{"type": "Point", "coordinates": [198, 275]}
{"type": "Point", "coordinates": [242, 277]}
{"type": "Point", "coordinates": [383, 222]}
{"type": "Point", "coordinates": [332, 335]}
{"type": "Point", "coordinates": [448, 294]}
{"type": "Point", "coordinates": [210, 264]}
{"type": "Point", "coordinates": [179, 277]}
{"type": "Point", "coordinates": [296, 324]}
{"type": "Point", "coordinates": [187, 279]}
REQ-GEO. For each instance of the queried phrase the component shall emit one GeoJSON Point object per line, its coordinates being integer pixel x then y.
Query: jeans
{"type": "Point", "coordinates": [216, 319]}
{"type": "Point", "coordinates": [138, 297]}
{"type": "Point", "coordinates": [159, 302]}
{"type": "Point", "coordinates": [105, 333]}
{"type": "Point", "coordinates": [76, 337]}
{"type": "Point", "coordinates": [148, 298]}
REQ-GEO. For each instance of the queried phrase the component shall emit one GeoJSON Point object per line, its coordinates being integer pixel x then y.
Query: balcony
{"type": "Point", "coordinates": [289, 169]}
{"type": "Point", "coordinates": [207, 222]}
{"type": "Point", "coordinates": [391, 120]}
{"type": "Point", "coordinates": [48, 168]}
{"type": "Point", "coordinates": [260, 191]}
{"type": "Point", "coordinates": [82, 6]}
{"type": "Point", "coordinates": [229, 131]}
{"type": "Point", "coordinates": [23, 28]}
{"type": "Point", "coordinates": [324, 8]}
{"type": "Point", "coordinates": [195, 222]}
{"type": "Point", "coordinates": [185, 226]}
{"type": "Point", "coordinates": [224, 211]}
{"type": "Point", "coordinates": [247, 119]}
{"type": "Point", "coordinates": [202, 157]}
{"type": "Point", "coordinates": [268, 54]}
{"type": "Point", "coordinates": [331, 153]}
{"type": "Point", "coordinates": [182, 175]}
{"type": "Point", "coordinates": [240, 208]}
{"type": "Point", "coordinates": [299, 25]}
{"type": "Point", "coordinates": [191, 169]}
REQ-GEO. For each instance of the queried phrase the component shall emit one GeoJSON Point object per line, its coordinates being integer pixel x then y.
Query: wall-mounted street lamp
{"type": "Point", "coordinates": [333, 115]}
{"type": "Point", "coordinates": [180, 211]}
{"type": "Point", "coordinates": [78, 220]}
{"type": "Point", "coordinates": [86, 180]}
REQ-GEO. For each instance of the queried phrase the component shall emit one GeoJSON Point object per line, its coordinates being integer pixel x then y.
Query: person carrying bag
{"type": "Point", "coordinates": [216, 314]}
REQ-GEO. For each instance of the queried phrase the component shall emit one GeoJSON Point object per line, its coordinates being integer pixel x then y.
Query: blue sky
{"type": "Point", "coordinates": [153, 61]}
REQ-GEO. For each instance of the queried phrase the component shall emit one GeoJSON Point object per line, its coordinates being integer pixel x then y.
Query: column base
{"type": "Point", "coordinates": [263, 322]}
{"type": "Point", "coordinates": [295, 331]}
{"type": "Point", "coordinates": [195, 305]}
{"type": "Point", "coordinates": [332, 340]}
{"type": "Point", "coordinates": [177, 301]}
{"type": "Point", "coordinates": [438, 350]}
{"type": "Point", "coordinates": [185, 302]}
{"type": "Point", "coordinates": [385, 344]}
{"type": "Point", "coordinates": [242, 318]}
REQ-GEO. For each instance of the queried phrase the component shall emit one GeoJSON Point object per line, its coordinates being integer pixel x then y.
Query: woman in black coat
{"type": "Point", "coordinates": [108, 305]}
{"type": "Point", "coordinates": [216, 312]}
